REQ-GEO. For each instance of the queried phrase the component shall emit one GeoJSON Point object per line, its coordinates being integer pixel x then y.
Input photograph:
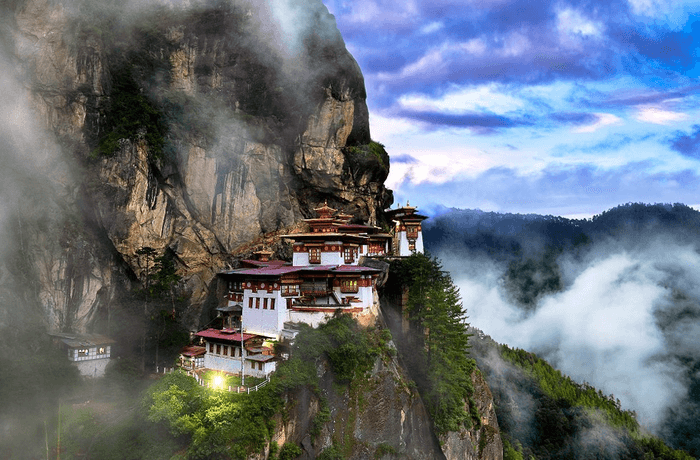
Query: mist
{"type": "Point", "coordinates": [623, 322]}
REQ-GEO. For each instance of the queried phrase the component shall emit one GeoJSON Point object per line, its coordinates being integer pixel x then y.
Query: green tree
{"type": "Point", "coordinates": [435, 306]}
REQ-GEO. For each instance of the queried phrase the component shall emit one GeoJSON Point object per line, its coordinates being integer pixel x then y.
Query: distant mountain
{"type": "Point", "coordinates": [507, 236]}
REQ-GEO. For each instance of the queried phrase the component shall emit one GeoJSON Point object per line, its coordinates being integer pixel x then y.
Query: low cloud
{"type": "Point", "coordinates": [614, 325]}
{"type": "Point", "coordinates": [658, 115]}
{"type": "Point", "coordinates": [601, 120]}
{"type": "Point", "coordinates": [556, 189]}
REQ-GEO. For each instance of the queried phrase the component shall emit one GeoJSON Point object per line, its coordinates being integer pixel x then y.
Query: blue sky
{"type": "Point", "coordinates": [551, 107]}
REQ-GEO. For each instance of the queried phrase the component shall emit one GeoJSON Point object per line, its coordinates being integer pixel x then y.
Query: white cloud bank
{"type": "Point", "coordinates": [603, 328]}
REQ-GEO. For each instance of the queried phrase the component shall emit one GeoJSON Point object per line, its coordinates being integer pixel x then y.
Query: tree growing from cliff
{"type": "Point", "coordinates": [434, 306]}
{"type": "Point", "coordinates": [159, 295]}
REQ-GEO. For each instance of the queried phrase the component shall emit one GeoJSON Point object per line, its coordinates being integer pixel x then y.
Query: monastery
{"type": "Point", "coordinates": [266, 298]}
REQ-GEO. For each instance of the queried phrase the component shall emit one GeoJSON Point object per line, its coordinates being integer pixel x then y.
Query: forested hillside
{"type": "Point", "coordinates": [613, 300]}
{"type": "Point", "coordinates": [543, 414]}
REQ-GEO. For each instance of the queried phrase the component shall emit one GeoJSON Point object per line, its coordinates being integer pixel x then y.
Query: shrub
{"type": "Point", "coordinates": [289, 451]}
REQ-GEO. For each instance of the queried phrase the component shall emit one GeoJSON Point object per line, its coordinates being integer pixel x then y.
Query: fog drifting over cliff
{"type": "Point", "coordinates": [623, 322]}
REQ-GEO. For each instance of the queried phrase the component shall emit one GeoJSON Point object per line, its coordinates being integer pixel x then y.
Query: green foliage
{"type": "Point", "coordinates": [384, 449]}
{"type": "Point", "coordinates": [350, 350]}
{"type": "Point", "coordinates": [274, 449]}
{"type": "Point", "coordinates": [510, 453]}
{"type": "Point", "coordinates": [131, 115]}
{"type": "Point", "coordinates": [373, 150]}
{"type": "Point", "coordinates": [563, 412]}
{"type": "Point", "coordinates": [289, 451]}
{"type": "Point", "coordinates": [557, 386]}
{"type": "Point", "coordinates": [656, 449]}
{"type": "Point", "coordinates": [212, 423]}
{"type": "Point", "coordinates": [330, 453]}
{"type": "Point", "coordinates": [323, 416]}
{"type": "Point", "coordinates": [529, 279]}
{"type": "Point", "coordinates": [444, 375]}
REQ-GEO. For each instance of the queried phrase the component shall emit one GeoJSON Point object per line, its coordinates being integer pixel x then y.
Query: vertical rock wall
{"type": "Point", "coordinates": [256, 135]}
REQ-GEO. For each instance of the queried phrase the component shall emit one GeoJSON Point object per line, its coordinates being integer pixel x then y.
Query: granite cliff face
{"type": "Point", "coordinates": [384, 418]}
{"type": "Point", "coordinates": [255, 113]}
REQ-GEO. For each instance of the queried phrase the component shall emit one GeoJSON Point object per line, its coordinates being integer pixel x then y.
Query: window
{"type": "Point", "coordinates": [348, 286]}
{"type": "Point", "coordinates": [412, 246]}
{"type": "Point", "coordinates": [349, 254]}
{"type": "Point", "coordinates": [211, 348]}
{"type": "Point", "coordinates": [252, 364]}
{"type": "Point", "coordinates": [218, 349]}
{"type": "Point", "coordinates": [83, 352]}
{"type": "Point", "coordinates": [250, 302]}
{"type": "Point", "coordinates": [272, 304]}
{"type": "Point", "coordinates": [260, 365]}
{"type": "Point", "coordinates": [265, 303]}
{"type": "Point", "coordinates": [101, 351]}
{"type": "Point", "coordinates": [314, 255]}
{"type": "Point", "coordinates": [225, 350]}
{"type": "Point", "coordinates": [289, 289]}
{"type": "Point", "coordinates": [257, 303]}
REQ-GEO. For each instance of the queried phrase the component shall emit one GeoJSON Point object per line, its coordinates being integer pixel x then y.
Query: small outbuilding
{"type": "Point", "coordinates": [89, 352]}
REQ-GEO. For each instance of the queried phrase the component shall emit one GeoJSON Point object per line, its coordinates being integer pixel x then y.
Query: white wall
{"type": "Point", "coordinates": [332, 258]}
{"type": "Point", "coordinates": [313, 319]}
{"type": "Point", "coordinates": [268, 367]}
{"type": "Point", "coordinates": [93, 367]}
{"type": "Point", "coordinates": [92, 353]}
{"type": "Point", "coordinates": [300, 259]}
{"type": "Point", "coordinates": [260, 321]}
{"type": "Point", "coordinates": [222, 363]}
{"type": "Point", "coordinates": [403, 244]}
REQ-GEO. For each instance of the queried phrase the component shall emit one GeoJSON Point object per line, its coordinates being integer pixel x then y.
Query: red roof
{"type": "Point", "coordinates": [356, 227]}
{"type": "Point", "coordinates": [355, 268]}
{"type": "Point", "coordinates": [272, 271]}
{"type": "Point", "coordinates": [193, 350]}
{"type": "Point", "coordinates": [223, 335]}
{"type": "Point", "coordinates": [278, 271]}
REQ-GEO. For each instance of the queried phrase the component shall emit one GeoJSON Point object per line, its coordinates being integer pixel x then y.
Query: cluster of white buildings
{"type": "Point", "coordinates": [265, 298]}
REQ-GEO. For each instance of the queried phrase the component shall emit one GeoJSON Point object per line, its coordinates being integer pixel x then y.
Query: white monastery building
{"type": "Point", "coordinates": [325, 275]}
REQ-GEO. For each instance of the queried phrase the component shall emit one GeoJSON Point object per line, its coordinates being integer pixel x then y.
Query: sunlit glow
{"type": "Point", "coordinates": [218, 382]}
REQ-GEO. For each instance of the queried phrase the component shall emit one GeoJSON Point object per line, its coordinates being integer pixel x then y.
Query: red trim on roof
{"type": "Point", "coordinates": [278, 271]}
{"type": "Point", "coordinates": [212, 333]}
{"type": "Point", "coordinates": [330, 309]}
{"type": "Point", "coordinates": [193, 351]}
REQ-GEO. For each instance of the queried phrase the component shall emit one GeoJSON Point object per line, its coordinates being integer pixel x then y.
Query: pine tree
{"type": "Point", "coordinates": [434, 304]}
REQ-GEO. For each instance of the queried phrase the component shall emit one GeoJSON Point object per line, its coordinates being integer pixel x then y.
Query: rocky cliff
{"type": "Point", "coordinates": [192, 130]}
{"type": "Point", "coordinates": [384, 418]}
